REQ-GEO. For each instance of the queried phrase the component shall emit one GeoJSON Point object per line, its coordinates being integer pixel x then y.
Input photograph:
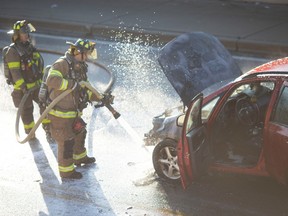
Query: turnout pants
{"type": "Point", "coordinates": [71, 146]}
{"type": "Point", "coordinates": [28, 108]}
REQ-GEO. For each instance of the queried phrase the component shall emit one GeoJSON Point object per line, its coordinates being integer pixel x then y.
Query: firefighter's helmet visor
{"type": "Point", "coordinates": [31, 27]}
{"type": "Point", "coordinates": [92, 54]}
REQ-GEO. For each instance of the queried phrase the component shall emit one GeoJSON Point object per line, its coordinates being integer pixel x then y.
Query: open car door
{"type": "Point", "coordinates": [276, 138]}
{"type": "Point", "coordinates": [193, 151]}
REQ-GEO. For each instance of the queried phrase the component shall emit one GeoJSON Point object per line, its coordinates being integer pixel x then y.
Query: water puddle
{"type": "Point", "coordinates": [146, 180]}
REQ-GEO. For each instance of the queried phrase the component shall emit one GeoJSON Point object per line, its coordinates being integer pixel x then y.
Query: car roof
{"type": "Point", "coordinates": [276, 67]}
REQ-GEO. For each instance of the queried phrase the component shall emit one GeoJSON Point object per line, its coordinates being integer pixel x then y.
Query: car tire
{"type": "Point", "coordinates": [165, 161]}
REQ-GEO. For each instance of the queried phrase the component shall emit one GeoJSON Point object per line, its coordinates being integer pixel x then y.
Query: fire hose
{"type": "Point", "coordinates": [105, 101]}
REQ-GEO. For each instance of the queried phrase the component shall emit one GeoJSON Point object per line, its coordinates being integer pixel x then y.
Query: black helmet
{"type": "Point", "coordinates": [21, 27]}
{"type": "Point", "coordinates": [83, 46]}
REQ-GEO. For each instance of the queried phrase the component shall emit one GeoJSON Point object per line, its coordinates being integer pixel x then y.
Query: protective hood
{"type": "Point", "coordinates": [195, 61]}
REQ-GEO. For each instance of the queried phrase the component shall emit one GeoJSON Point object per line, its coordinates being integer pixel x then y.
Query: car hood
{"type": "Point", "coordinates": [194, 61]}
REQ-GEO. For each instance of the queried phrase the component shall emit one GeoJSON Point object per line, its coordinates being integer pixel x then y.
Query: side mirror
{"type": "Point", "coordinates": [180, 120]}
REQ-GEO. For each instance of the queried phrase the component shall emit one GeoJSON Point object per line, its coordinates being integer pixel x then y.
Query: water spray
{"type": "Point", "coordinates": [106, 101]}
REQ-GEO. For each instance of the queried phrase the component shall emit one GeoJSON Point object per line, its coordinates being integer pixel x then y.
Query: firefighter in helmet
{"type": "Point", "coordinates": [25, 67]}
{"type": "Point", "coordinates": [67, 126]}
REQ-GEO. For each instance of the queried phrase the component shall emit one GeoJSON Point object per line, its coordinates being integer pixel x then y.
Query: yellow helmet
{"type": "Point", "coordinates": [83, 46]}
{"type": "Point", "coordinates": [21, 27]}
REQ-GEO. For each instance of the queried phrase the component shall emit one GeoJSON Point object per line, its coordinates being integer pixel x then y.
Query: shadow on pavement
{"type": "Point", "coordinates": [228, 195]}
{"type": "Point", "coordinates": [73, 197]}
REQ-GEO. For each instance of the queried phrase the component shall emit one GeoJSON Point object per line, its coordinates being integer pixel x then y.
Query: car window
{"type": "Point", "coordinates": [253, 89]}
{"type": "Point", "coordinates": [269, 85]}
{"type": "Point", "coordinates": [208, 107]}
{"type": "Point", "coordinates": [193, 120]}
{"type": "Point", "coordinates": [239, 90]}
{"type": "Point", "coordinates": [247, 104]}
{"type": "Point", "coordinates": [281, 111]}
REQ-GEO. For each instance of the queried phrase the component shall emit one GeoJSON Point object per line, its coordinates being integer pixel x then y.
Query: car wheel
{"type": "Point", "coordinates": [165, 160]}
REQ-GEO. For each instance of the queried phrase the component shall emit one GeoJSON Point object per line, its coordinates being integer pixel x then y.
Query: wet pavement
{"type": "Point", "coordinates": [122, 181]}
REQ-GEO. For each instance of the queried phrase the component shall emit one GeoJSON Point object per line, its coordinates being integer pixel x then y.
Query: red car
{"type": "Point", "coordinates": [242, 127]}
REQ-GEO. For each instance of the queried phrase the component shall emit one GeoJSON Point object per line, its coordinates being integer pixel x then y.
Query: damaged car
{"type": "Point", "coordinates": [230, 122]}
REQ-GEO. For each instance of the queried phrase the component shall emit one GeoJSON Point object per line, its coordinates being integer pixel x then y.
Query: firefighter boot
{"type": "Point", "coordinates": [85, 160]}
{"type": "Point", "coordinates": [74, 175]}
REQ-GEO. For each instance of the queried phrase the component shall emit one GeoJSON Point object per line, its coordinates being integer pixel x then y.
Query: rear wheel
{"type": "Point", "coordinates": [165, 161]}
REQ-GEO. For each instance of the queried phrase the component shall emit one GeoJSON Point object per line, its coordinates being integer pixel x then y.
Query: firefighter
{"type": "Point", "coordinates": [67, 126]}
{"type": "Point", "coordinates": [25, 67]}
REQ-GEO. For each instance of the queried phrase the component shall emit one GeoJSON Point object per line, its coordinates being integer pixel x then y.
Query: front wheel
{"type": "Point", "coordinates": [165, 161]}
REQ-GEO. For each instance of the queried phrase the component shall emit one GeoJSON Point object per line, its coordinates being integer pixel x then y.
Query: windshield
{"type": "Point", "coordinates": [207, 108]}
{"type": "Point", "coordinates": [194, 116]}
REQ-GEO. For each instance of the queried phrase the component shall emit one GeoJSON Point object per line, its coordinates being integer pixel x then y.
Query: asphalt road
{"type": "Point", "coordinates": [122, 182]}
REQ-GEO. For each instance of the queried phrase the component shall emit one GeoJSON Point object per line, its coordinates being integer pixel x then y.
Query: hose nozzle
{"type": "Point", "coordinates": [115, 114]}
{"type": "Point", "coordinates": [107, 101]}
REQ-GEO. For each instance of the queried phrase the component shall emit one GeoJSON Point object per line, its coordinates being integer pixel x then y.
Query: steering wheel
{"type": "Point", "coordinates": [247, 112]}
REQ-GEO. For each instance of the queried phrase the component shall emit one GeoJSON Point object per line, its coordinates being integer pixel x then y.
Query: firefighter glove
{"type": "Point", "coordinates": [108, 98]}
{"type": "Point", "coordinates": [83, 84]}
